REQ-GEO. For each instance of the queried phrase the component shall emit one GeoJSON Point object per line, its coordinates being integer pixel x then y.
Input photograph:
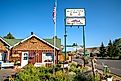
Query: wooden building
{"type": "Point", "coordinates": [32, 50]}
{"type": "Point", "coordinates": [4, 50]}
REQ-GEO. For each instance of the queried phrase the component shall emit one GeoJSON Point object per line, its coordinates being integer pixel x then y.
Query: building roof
{"type": "Point", "coordinates": [4, 41]}
{"type": "Point", "coordinates": [13, 42]}
{"type": "Point", "coordinates": [51, 41]}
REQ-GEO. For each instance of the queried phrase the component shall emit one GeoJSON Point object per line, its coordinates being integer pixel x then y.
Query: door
{"type": "Point", "coordinates": [24, 59]}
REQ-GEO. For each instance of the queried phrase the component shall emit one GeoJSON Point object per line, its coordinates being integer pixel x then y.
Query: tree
{"type": "Point", "coordinates": [115, 51]}
{"type": "Point", "coordinates": [116, 48]}
{"type": "Point", "coordinates": [110, 49]}
{"type": "Point", "coordinates": [102, 50]}
{"type": "Point", "coordinates": [9, 36]}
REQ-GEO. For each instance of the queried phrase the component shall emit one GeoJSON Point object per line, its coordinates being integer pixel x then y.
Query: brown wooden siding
{"type": "Point", "coordinates": [35, 47]}
{"type": "Point", "coordinates": [32, 44]}
{"type": "Point", "coordinates": [2, 46]}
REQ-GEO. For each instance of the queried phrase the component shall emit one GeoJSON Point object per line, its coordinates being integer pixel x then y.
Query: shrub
{"type": "Point", "coordinates": [81, 77]}
{"type": "Point", "coordinates": [91, 77]}
{"type": "Point", "coordinates": [31, 73]}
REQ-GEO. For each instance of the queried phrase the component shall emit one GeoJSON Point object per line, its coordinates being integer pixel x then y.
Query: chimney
{"type": "Point", "coordinates": [32, 33]}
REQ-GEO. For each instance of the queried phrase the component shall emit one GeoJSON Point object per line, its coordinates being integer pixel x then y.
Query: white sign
{"type": "Point", "coordinates": [75, 21]}
{"type": "Point", "coordinates": [38, 64]}
{"type": "Point", "coordinates": [75, 13]}
{"type": "Point", "coordinates": [7, 64]}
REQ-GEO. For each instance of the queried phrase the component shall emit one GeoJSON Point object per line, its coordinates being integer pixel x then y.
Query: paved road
{"type": "Point", "coordinates": [79, 61]}
{"type": "Point", "coordinates": [114, 65]}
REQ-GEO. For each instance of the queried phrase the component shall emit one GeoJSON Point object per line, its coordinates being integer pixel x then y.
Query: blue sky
{"type": "Point", "coordinates": [20, 17]}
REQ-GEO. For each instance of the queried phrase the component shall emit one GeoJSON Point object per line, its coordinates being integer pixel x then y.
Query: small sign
{"type": "Point", "coordinates": [75, 21]}
{"type": "Point", "coordinates": [7, 64]}
{"type": "Point", "coordinates": [75, 13]}
{"type": "Point", "coordinates": [38, 64]}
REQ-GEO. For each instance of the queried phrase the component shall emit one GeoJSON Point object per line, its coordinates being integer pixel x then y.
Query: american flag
{"type": "Point", "coordinates": [54, 14]}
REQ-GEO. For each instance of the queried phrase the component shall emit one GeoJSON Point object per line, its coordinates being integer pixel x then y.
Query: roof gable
{"type": "Point", "coordinates": [37, 38]}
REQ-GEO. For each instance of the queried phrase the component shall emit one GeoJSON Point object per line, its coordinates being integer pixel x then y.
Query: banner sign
{"type": "Point", "coordinates": [75, 13]}
{"type": "Point", "coordinates": [75, 21]}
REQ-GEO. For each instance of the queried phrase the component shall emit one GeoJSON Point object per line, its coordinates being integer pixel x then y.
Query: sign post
{"type": "Point", "coordinates": [75, 17]}
{"type": "Point", "coordinates": [84, 44]}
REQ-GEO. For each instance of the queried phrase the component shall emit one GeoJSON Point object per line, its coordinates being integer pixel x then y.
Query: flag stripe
{"type": "Point", "coordinates": [54, 14]}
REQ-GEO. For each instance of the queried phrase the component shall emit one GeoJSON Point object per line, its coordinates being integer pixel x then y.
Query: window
{"type": "Point", "coordinates": [47, 57]}
{"type": "Point", "coordinates": [25, 56]}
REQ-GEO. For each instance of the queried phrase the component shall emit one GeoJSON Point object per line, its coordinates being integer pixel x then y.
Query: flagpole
{"type": "Point", "coordinates": [54, 18]}
{"type": "Point", "coordinates": [54, 41]}
{"type": "Point", "coordinates": [55, 31]}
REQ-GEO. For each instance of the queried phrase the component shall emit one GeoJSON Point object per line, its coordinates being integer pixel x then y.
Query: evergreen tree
{"type": "Point", "coordinates": [9, 36]}
{"type": "Point", "coordinates": [113, 49]}
{"type": "Point", "coordinates": [116, 49]}
{"type": "Point", "coordinates": [102, 50]}
{"type": "Point", "coordinates": [110, 49]}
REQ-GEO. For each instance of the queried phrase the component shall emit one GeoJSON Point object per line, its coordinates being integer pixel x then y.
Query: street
{"type": "Point", "coordinates": [114, 65]}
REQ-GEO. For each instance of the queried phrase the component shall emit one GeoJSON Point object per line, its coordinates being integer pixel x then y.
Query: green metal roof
{"type": "Point", "coordinates": [51, 41]}
{"type": "Point", "coordinates": [12, 41]}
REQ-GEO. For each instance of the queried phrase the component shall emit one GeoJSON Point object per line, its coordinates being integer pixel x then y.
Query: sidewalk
{"type": "Point", "coordinates": [4, 73]}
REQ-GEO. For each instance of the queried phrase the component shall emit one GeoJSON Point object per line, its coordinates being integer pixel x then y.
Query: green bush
{"type": "Point", "coordinates": [74, 64]}
{"type": "Point", "coordinates": [86, 60]}
{"type": "Point", "coordinates": [31, 73]}
{"type": "Point", "coordinates": [91, 77]}
{"type": "Point", "coordinates": [81, 77]}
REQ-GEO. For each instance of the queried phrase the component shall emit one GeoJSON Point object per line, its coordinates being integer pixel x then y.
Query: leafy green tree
{"type": "Point", "coordinates": [115, 52]}
{"type": "Point", "coordinates": [102, 50]}
{"type": "Point", "coordinates": [114, 49]}
{"type": "Point", "coordinates": [9, 36]}
{"type": "Point", "coordinates": [117, 44]}
{"type": "Point", "coordinates": [110, 48]}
